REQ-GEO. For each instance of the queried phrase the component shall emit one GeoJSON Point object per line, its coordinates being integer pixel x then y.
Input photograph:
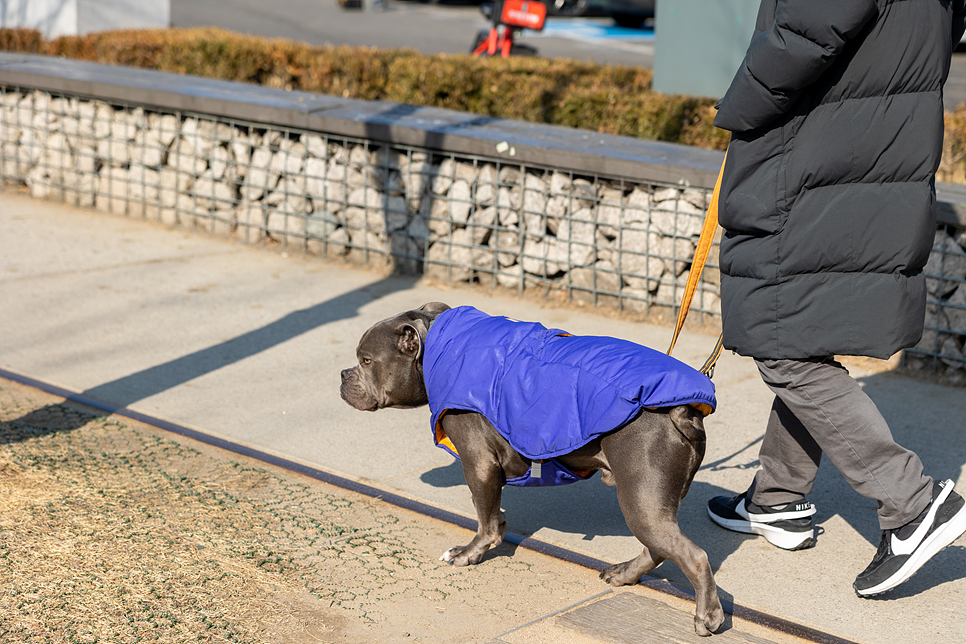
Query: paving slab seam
{"type": "Point", "coordinates": [662, 586]}
{"type": "Point", "coordinates": [498, 638]}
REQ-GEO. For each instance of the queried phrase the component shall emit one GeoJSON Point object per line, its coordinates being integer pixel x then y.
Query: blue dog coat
{"type": "Point", "coordinates": [546, 391]}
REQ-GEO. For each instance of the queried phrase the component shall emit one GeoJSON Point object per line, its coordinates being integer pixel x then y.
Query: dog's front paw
{"type": "Point", "coordinates": [461, 556]}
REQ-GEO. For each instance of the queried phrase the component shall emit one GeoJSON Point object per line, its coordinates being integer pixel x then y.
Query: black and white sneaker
{"type": "Point", "coordinates": [904, 550]}
{"type": "Point", "coordinates": [787, 526]}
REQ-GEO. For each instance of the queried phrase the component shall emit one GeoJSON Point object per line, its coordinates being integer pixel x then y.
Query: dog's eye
{"type": "Point", "coordinates": [366, 361]}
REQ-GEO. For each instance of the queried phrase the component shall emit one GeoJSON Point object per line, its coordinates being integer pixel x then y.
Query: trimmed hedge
{"type": "Point", "coordinates": [612, 99]}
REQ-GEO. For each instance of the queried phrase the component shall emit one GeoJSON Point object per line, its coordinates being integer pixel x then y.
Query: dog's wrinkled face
{"type": "Point", "coordinates": [390, 373]}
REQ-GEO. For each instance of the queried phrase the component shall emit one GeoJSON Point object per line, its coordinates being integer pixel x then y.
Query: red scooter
{"type": "Point", "coordinates": [509, 17]}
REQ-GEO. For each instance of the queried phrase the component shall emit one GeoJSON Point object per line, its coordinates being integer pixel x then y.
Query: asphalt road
{"type": "Point", "coordinates": [428, 28]}
{"type": "Point", "coordinates": [448, 26]}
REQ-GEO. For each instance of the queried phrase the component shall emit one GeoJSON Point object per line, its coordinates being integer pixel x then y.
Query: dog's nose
{"type": "Point", "coordinates": [346, 373]}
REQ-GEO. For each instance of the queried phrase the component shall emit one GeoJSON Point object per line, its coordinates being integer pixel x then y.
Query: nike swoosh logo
{"type": "Point", "coordinates": [907, 546]}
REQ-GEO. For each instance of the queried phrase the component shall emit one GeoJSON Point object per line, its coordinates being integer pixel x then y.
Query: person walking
{"type": "Point", "coordinates": [828, 208]}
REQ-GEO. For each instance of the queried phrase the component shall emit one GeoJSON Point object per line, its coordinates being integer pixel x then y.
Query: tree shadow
{"type": "Point", "coordinates": [118, 394]}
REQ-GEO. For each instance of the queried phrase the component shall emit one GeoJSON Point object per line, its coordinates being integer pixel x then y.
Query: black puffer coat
{"type": "Point", "coordinates": [828, 197]}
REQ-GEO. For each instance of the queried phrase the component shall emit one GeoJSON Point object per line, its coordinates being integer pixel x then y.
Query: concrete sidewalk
{"type": "Point", "coordinates": [248, 344]}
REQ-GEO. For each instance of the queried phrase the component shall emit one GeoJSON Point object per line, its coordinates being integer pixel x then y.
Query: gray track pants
{"type": "Point", "coordinates": [819, 408]}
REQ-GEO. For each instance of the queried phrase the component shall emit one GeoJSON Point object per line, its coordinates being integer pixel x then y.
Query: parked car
{"type": "Point", "coordinates": [629, 13]}
{"type": "Point", "coordinates": [566, 7]}
{"type": "Point", "coordinates": [575, 7]}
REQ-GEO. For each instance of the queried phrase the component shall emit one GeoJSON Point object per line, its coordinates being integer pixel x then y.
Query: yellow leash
{"type": "Point", "coordinates": [697, 267]}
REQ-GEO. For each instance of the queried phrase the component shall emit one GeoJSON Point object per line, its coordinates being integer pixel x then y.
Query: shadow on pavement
{"type": "Point", "coordinates": [129, 389]}
{"type": "Point", "coordinates": [924, 417]}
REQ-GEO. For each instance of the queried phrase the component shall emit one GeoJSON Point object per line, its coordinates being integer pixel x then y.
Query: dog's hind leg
{"type": "Point", "coordinates": [649, 492]}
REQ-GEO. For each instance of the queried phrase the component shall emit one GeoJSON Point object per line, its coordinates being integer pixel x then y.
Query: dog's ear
{"type": "Point", "coordinates": [409, 338]}
{"type": "Point", "coordinates": [434, 307]}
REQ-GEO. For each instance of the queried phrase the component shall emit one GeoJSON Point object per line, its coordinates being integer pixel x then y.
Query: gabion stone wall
{"type": "Point", "coordinates": [601, 240]}
{"type": "Point", "coordinates": [597, 239]}
{"type": "Point", "coordinates": [942, 346]}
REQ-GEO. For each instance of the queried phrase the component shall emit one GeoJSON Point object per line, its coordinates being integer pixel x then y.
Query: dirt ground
{"type": "Point", "coordinates": [119, 532]}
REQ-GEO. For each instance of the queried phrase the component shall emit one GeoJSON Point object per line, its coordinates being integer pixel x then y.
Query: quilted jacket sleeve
{"type": "Point", "coordinates": [787, 57]}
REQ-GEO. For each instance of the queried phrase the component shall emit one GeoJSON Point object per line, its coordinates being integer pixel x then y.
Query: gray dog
{"type": "Point", "coordinates": [418, 358]}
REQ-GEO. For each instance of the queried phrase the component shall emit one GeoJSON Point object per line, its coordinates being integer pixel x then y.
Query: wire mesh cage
{"type": "Point", "coordinates": [605, 241]}
{"type": "Point", "coordinates": [601, 240]}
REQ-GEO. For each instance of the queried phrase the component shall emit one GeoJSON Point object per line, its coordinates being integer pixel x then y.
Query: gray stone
{"type": "Point", "coordinates": [368, 247]}
{"type": "Point", "coordinates": [113, 191]}
{"type": "Point", "coordinates": [168, 129]}
{"type": "Point", "coordinates": [669, 292]}
{"type": "Point", "coordinates": [955, 310]}
{"type": "Point", "coordinates": [609, 208]}
{"type": "Point", "coordinates": [416, 178]}
{"type": "Point", "coordinates": [947, 261]}
{"type": "Point", "coordinates": [509, 176]}
{"type": "Point", "coordinates": [172, 184]}
{"type": "Point", "coordinates": [507, 242]}
{"type": "Point", "coordinates": [637, 263]}
{"type": "Point", "coordinates": [538, 258]}
{"type": "Point", "coordinates": [315, 146]}
{"type": "Point", "coordinates": [443, 176]}
{"type": "Point", "coordinates": [535, 204]}
{"type": "Point", "coordinates": [289, 196]}
{"type": "Point", "coordinates": [321, 225]}
{"type": "Point", "coordinates": [284, 226]}
{"type": "Point", "coordinates": [585, 192]}
{"type": "Point", "coordinates": [147, 149]}
{"type": "Point", "coordinates": [576, 240]}
{"type": "Point", "coordinates": [145, 187]}
{"type": "Point", "coordinates": [184, 158]}
{"type": "Point", "coordinates": [460, 202]}
{"type": "Point", "coordinates": [508, 204]}
{"type": "Point", "coordinates": [486, 185]}
{"type": "Point", "coordinates": [951, 353]}
{"type": "Point", "coordinates": [240, 157]}
{"type": "Point", "coordinates": [560, 184]}
{"type": "Point", "coordinates": [200, 134]}
{"type": "Point", "coordinates": [634, 299]}
{"type": "Point", "coordinates": [676, 251]}
{"type": "Point", "coordinates": [451, 258]}
{"type": "Point", "coordinates": [289, 158]}
{"type": "Point", "coordinates": [418, 228]}
{"type": "Point", "coordinates": [481, 224]}
{"type": "Point", "coordinates": [250, 222]}
{"type": "Point", "coordinates": [218, 162]}
{"type": "Point", "coordinates": [358, 156]}
{"type": "Point", "coordinates": [557, 207]}
{"type": "Point", "coordinates": [601, 278]}
{"type": "Point", "coordinates": [338, 243]}
{"type": "Point", "coordinates": [439, 221]}
{"type": "Point", "coordinates": [368, 208]}
{"type": "Point", "coordinates": [677, 217]}
{"type": "Point", "coordinates": [259, 179]}
{"type": "Point", "coordinates": [80, 188]}
{"type": "Point", "coordinates": [637, 208]}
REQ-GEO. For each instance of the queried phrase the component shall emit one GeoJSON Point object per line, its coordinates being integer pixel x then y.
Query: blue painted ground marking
{"type": "Point", "coordinates": [591, 30]}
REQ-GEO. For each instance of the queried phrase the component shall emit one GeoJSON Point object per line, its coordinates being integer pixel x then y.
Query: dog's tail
{"type": "Point", "coordinates": [689, 422]}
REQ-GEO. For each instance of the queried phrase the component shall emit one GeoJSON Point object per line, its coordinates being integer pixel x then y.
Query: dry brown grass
{"type": "Point", "coordinates": [95, 546]}
{"type": "Point", "coordinates": [116, 532]}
